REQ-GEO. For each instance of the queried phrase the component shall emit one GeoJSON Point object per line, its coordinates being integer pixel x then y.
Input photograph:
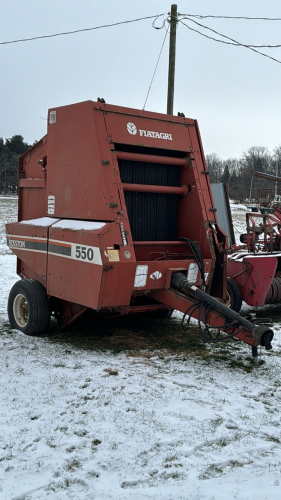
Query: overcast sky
{"type": "Point", "coordinates": [233, 92]}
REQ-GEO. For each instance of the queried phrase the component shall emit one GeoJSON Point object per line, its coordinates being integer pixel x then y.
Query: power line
{"type": "Point", "coordinates": [182, 16]}
{"type": "Point", "coordinates": [229, 43]}
{"type": "Point", "coordinates": [228, 38]}
{"type": "Point", "coordinates": [180, 19]}
{"type": "Point", "coordinates": [198, 16]}
{"type": "Point", "coordinates": [156, 64]}
{"type": "Point", "coordinates": [80, 31]}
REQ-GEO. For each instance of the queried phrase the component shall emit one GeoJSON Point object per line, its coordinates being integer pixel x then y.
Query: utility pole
{"type": "Point", "coordinates": [251, 190]}
{"type": "Point", "coordinates": [172, 59]}
{"type": "Point", "coordinates": [276, 183]}
{"type": "Point", "coordinates": [5, 176]}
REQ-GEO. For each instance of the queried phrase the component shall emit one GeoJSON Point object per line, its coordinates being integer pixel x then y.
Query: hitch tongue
{"type": "Point", "coordinates": [262, 334]}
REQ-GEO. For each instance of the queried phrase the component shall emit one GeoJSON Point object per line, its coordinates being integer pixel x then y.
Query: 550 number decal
{"type": "Point", "coordinates": [84, 253]}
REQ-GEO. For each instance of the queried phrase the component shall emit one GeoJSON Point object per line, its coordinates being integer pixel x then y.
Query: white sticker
{"type": "Point", "coordinates": [141, 276]}
{"type": "Point", "coordinates": [86, 253]}
{"type": "Point", "coordinates": [69, 250]}
{"type": "Point", "coordinates": [124, 237]}
{"type": "Point", "coordinates": [192, 273]}
{"type": "Point", "coordinates": [156, 275]}
{"type": "Point", "coordinates": [51, 204]}
{"type": "Point", "coordinates": [16, 244]}
{"type": "Point", "coordinates": [53, 116]}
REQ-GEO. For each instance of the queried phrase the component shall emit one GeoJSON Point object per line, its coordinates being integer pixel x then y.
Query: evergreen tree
{"type": "Point", "coordinates": [10, 151]}
{"type": "Point", "coordinates": [17, 145]}
{"type": "Point", "coordinates": [226, 174]}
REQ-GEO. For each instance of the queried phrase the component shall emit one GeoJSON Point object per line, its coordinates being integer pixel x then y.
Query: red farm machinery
{"type": "Point", "coordinates": [116, 215]}
{"type": "Point", "coordinates": [256, 265]}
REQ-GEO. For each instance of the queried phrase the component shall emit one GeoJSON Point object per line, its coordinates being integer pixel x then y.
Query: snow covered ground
{"type": "Point", "coordinates": [238, 219]}
{"type": "Point", "coordinates": [83, 423]}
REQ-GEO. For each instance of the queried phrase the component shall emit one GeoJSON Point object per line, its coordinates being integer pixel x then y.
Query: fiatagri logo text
{"type": "Point", "coordinates": [132, 129]}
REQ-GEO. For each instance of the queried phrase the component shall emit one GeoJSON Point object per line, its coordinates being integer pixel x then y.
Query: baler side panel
{"type": "Point", "coordinates": [75, 174]}
{"type": "Point", "coordinates": [29, 244]}
{"type": "Point", "coordinates": [32, 180]}
{"type": "Point", "coordinates": [74, 266]}
{"type": "Point", "coordinates": [118, 269]}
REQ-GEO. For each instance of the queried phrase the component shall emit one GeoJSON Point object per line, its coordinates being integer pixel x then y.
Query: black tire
{"type": "Point", "coordinates": [235, 298]}
{"type": "Point", "coordinates": [28, 307]}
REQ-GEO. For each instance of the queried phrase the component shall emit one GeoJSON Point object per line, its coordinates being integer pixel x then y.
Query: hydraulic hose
{"type": "Point", "coordinates": [261, 334]}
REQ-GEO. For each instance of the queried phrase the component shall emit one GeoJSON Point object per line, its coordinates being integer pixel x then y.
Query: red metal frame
{"type": "Point", "coordinates": [255, 269]}
{"type": "Point", "coordinates": [165, 160]}
{"type": "Point", "coordinates": [150, 188]}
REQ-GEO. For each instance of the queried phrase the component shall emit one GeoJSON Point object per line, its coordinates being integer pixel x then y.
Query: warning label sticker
{"type": "Point", "coordinates": [113, 255]}
{"type": "Point", "coordinates": [51, 204]}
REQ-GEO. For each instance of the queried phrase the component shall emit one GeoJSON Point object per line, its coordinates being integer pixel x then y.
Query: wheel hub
{"type": "Point", "coordinates": [20, 310]}
{"type": "Point", "coordinates": [227, 301]}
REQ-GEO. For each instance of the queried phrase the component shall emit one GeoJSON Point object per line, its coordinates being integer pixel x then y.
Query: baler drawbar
{"type": "Point", "coordinates": [116, 215]}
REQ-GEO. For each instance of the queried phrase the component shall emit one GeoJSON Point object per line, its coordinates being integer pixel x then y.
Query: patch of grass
{"type": "Point", "coordinates": [142, 337]}
{"type": "Point", "coordinates": [72, 465]}
{"type": "Point", "coordinates": [212, 471]}
{"type": "Point", "coordinates": [130, 334]}
{"type": "Point", "coordinates": [270, 310]}
{"type": "Point", "coordinates": [88, 398]}
{"type": "Point", "coordinates": [70, 449]}
{"type": "Point", "coordinates": [171, 458]}
{"type": "Point", "coordinates": [51, 442]}
{"type": "Point", "coordinates": [81, 432]}
{"type": "Point", "coordinates": [216, 422]}
{"type": "Point", "coordinates": [274, 439]}
{"type": "Point", "coordinates": [222, 442]}
{"type": "Point", "coordinates": [96, 442]}
{"type": "Point", "coordinates": [110, 371]}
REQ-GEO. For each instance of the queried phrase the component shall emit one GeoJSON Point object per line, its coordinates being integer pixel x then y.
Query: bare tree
{"type": "Point", "coordinates": [215, 167]}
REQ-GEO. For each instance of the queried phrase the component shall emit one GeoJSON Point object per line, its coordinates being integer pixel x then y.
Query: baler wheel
{"type": "Point", "coordinates": [234, 295]}
{"type": "Point", "coordinates": [28, 307]}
